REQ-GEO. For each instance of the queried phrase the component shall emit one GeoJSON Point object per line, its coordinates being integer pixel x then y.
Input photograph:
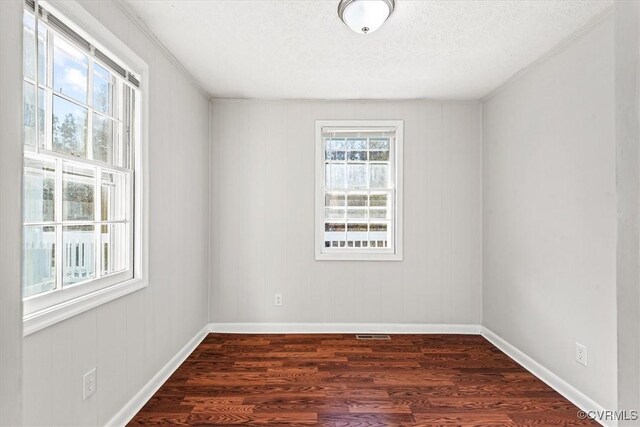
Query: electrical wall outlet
{"type": "Point", "coordinates": [89, 383]}
{"type": "Point", "coordinates": [581, 354]}
{"type": "Point", "coordinates": [277, 300]}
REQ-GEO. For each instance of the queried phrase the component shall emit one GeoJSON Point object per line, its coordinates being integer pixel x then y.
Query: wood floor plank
{"type": "Point", "coordinates": [463, 419]}
{"type": "Point", "coordinates": [335, 380]}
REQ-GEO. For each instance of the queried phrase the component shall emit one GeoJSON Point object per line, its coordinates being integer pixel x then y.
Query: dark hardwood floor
{"type": "Point", "coordinates": [336, 380]}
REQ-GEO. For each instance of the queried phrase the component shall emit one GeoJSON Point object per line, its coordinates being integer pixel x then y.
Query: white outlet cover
{"type": "Point", "coordinates": [277, 300]}
{"type": "Point", "coordinates": [89, 383]}
{"type": "Point", "coordinates": [581, 354]}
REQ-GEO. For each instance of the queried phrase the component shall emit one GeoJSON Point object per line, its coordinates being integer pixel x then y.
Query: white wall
{"type": "Point", "coordinates": [550, 213]}
{"type": "Point", "coordinates": [10, 211]}
{"type": "Point", "coordinates": [627, 16]}
{"type": "Point", "coordinates": [131, 338]}
{"type": "Point", "coordinates": [263, 218]}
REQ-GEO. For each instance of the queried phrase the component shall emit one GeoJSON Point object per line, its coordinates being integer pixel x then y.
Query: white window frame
{"type": "Point", "coordinates": [396, 159]}
{"type": "Point", "coordinates": [37, 314]}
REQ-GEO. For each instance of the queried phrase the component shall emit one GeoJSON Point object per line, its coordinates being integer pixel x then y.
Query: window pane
{"type": "Point", "coordinates": [334, 233]}
{"type": "Point", "coordinates": [70, 69]}
{"type": "Point", "coordinates": [378, 213]}
{"type": "Point", "coordinates": [103, 133]}
{"type": "Point", "coordinates": [356, 213]}
{"type": "Point", "coordinates": [357, 200]}
{"type": "Point", "coordinates": [379, 227]}
{"type": "Point", "coordinates": [28, 54]}
{"type": "Point", "coordinates": [379, 176]}
{"type": "Point", "coordinates": [335, 144]}
{"type": "Point", "coordinates": [358, 227]}
{"type": "Point", "coordinates": [357, 176]}
{"type": "Point", "coordinates": [114, 196]}
{"type": "Point", "coordinates": [78, 193]}
{"type": "Point", "coordinates": [114, 248]}
{"type": "Point", "coordinates": [357, 156]}
{"type": "Point", "coordinates": [39, 273]}
{"type": "Point", "coordinates": [379, 234]}
{"type": "Point", "coordinates": [103, 84]}
{"type": "Point", "coordinates": [378, 156]}
{"type": "Point", "coordinates": [356, 234]}
{"type": "Point", "coordinates": [29, 114]}
{"type": "Point", "coordinates": [335, 175]}
{"type": "Point", "coordinates": [334, 213]}
{"type": "Point", "coordinates": [379, 144]}
{"type": "Point", "coordinates": [335, 155]}
{"type": "Point", "coordinates": [332, 199]}
{"type": "Point", "coordinates": [378, 200]}
{"type": "Point", "coordinates": [78, 254]}
{"type": "Point", "coordinates": [356, 144]}
{"type": "Point", "coordinates": [334, 227]}
{"type": "Point", "coordinates": [69, 127]}
{"type": "Point", "coordinates": [39, 190]}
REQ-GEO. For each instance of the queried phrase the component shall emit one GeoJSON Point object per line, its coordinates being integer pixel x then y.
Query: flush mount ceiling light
{"type": "Point", "coordinates": [365, 16]}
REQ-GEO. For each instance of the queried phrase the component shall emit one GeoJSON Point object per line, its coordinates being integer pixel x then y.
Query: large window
{"type": "Point", "coordinates": [359, 190]}
{"type": "Point", "coordinates": [81, 139]}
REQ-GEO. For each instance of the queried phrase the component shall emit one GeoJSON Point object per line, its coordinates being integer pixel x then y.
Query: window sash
{"type": "Point", "coordinates": [119, 114]}
{"type": "Point", "coordinates": [59, 222]}
{"type": "Point", "coordinates": [389, 221]}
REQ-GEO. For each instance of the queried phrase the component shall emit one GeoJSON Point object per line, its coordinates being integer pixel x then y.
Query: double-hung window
{"type": "Point", "coordinates": [359, 190]}
{"type": "Point", "coordinates": [82, 170]}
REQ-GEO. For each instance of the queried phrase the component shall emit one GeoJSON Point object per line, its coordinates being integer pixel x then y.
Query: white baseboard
{"type": "Point", "coordinates": [343, 328]}
{"type": "Point", "coordinates": [138, 401]}
{"type": "Point", "coordinates": [571, 393]}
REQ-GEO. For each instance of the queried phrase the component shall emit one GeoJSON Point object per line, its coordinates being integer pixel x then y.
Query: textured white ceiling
{"type": "Point", "coordinates": [301, 49]}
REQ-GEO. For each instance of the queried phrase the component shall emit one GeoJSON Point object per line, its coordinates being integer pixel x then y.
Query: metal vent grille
{"type": "Point", "coordinates": [372, 337]}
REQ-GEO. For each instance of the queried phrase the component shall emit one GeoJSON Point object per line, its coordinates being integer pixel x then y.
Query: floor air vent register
{"type": "Point", "coordinates": [372, 337]}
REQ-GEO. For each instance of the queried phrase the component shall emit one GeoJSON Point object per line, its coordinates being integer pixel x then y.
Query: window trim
{"type": "Point", "coordinates": [364, 255]}
{"type": "Point", "coordinates": [81, 21]}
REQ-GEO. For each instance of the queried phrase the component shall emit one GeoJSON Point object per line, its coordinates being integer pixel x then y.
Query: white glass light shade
{"type": "Point", "coordinates": [365, 16]}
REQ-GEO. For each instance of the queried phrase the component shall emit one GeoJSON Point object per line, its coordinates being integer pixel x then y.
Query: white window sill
{"type": "Point", "coordinates": [59, 312]}
{"type": "Point", "coordinates": [358, 257]}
